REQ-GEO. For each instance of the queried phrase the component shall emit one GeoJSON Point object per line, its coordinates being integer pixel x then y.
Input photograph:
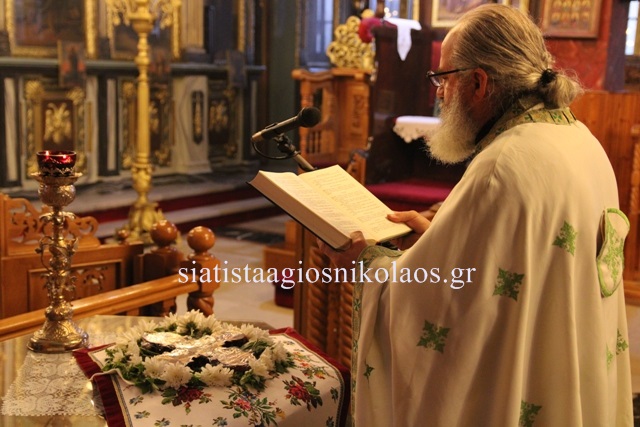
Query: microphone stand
{"type": "Point", "coordinates": [286, 147]}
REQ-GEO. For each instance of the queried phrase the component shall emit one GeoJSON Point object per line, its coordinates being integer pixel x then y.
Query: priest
{"type": "Point", "coordinates": [523, 323]}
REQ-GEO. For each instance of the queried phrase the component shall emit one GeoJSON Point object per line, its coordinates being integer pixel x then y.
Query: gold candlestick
{"type": "Point", "coordinates": [144, 213]}
{"type": "Point", "coordinates": [56, 177]}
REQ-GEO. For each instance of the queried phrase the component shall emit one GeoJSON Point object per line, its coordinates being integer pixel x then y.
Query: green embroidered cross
{"type": "Point", "coordinates": [528, 412]}
{"type": "Point", "coordinates": [621, 344]}
{"type": "Point", "coordinates": [566, 239]}
{"type": "Point", "coordinates": [609, 357]}
{"type": "Point", "coordinates": [368, 370]}
{"type": "Point", "coordinates": [433, 337]}
{"type": "Point", "coordinates": [508, 284]}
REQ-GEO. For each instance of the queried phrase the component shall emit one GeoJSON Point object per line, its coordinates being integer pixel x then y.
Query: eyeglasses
{"type": "Point", "coordinates": [435, 79]}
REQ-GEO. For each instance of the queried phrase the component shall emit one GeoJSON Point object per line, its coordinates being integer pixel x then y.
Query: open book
{"type": "Point", "coordinates": [331, 204]}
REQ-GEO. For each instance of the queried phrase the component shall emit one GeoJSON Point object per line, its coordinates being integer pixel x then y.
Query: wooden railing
{"type": "Point", "coordinates": [127, 300]}
{"type": "Point", "coordinates": [114, 278]}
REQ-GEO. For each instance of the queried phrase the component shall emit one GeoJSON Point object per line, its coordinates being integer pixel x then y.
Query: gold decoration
{"type": "Point", "coordinates": [89, 18]}
{"type": "Point", "coordinates": [54, 115]}
{"type": "Point", "coordinates": [143, 213]}
{"type": "Point", "coordinates": [197, 100]}
{"type": "Point", "coordinates": [58, 334]}
{"type": "Point", "coordinates": [347, 50]}
{"type": "Point", "coordinates": [166, 13]}
{"type": "Point", "coordinates": [218, 115]}
{"type": "Point", "coordinates": [57, 123]}
{"type": "Point", "coordinates": [159, 122]}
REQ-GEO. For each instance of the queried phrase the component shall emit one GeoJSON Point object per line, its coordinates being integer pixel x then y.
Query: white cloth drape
{"type": "Point", "coordinates": [404, 34]}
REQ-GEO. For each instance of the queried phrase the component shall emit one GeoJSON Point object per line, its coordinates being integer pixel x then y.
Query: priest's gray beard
{"type": "Point", "coordinates": [454, 140]}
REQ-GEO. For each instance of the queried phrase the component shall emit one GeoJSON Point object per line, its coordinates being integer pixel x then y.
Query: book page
{"type": "Point", "coordinates": [316, 202]}
{"type": "Point", "coordinates": [365, 208]}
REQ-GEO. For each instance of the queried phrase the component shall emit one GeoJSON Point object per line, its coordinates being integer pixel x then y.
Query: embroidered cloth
{"type": "Point", "coordinates": [410, 128]}
{"type": "Point", "coordinates": [512, 314]}
{"type": "Point", "coordinates": [46, 385]}
{"type": "Point", "coordinates": [314, 392]}
{"type": "Point", "coordinates": [51, 384]}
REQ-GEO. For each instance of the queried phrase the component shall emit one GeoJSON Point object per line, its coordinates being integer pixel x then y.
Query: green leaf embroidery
{"type": "Point", "coordinates": [433, 337]}
{"type": "Point", "coordinates": [368, 371]}
{"type": "Point", "coordinates": [566, 239]}
{"type": "Point", "coordinates": [610, 259]}
{"type": "Point", "coordinates": [357, 305]}
{"type": "Point", "coordinates": [528, 412]}
{"type": "Point", "coordinates": [621, 344]}
{"type": "Point", "coordinates": [609, 357]}
{"type": "Point", "coordinates": [508, 284]}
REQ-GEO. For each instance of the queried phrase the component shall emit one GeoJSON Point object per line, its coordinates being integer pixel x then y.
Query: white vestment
{"type": "Point", "coordinates": [536, 335]}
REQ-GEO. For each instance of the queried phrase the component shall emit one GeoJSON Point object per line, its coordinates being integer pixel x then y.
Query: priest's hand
{"type": "Point", "coordinates": [418, 222]}
{"type": "Point", "coordinates": [345, 258]}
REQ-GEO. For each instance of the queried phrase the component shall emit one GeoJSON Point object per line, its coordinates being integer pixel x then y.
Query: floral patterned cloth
{"type": "Point", "coordinates": [312, 393]}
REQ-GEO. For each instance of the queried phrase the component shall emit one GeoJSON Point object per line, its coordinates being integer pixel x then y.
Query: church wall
{"type": "Point", "coordinates": [70, 82]}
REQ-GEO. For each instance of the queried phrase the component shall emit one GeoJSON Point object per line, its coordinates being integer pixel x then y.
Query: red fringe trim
{"type": "Point", "coordinates": [104, 384]}
{"type": "Point", "coordinates": [113, 409]}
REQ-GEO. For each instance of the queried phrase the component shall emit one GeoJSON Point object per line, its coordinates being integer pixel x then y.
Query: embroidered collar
{"type": "Point", "coordinates": [524, 111]}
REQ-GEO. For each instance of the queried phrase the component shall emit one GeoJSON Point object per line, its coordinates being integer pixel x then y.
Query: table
{"type": "Point", "coordinates": [18, 362]}
{"type": "Point", "coordinates": [410, 128]}
{"type": "Point", "coordinates": [14, 356]}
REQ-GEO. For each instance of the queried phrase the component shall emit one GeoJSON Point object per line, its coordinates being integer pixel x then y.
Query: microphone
{"type": "Point", "coordinates": [306, 118]}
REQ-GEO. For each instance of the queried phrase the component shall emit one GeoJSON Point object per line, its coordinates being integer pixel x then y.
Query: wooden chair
{"type": "Point", "coordinates": [154, 297]}
{"type": "Point", "coordinates": [98, 268]}
{"type": "Point", "coordinates": [112, 278]}
{"type": "Point", "coordinates": [342, 96]}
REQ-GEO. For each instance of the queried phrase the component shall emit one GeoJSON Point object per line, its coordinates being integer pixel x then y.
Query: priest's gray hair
{"type": "Point", "coordinates": [511, 49]}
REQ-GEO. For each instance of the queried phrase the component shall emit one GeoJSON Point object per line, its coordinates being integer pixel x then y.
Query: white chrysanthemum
{"type": "Point", "coordinates": [133, 349]}
{"type": "Point", "coordinates": [168, 320]}
{"type": "Point", "coordinates": [146, 326]}
{"type": "Point", "coordinates": [210, 322]}
{"type": "Point", "coordinates": [258, 368]}
{"type": "Point", "coordinates": [176, 375]}
{"type": "Point", "coordinates": [255, 334]}
{"type": "Point", "coordinates": [123, 340]}
{"type": "Point", "coordinates": [154, 367]}
{"type": "Point", "coordinates": [191, 316]}
{"type": "Point", "coordinates": [267, 359]}
{"type": "Point", "coordinates": [118, 355]}
{"type": "Point", "coordinates": [135, 360]}
{"type": "Point", "coordinates": [216, 376]}
{"type": "Point", "coordinates": [279, 353]}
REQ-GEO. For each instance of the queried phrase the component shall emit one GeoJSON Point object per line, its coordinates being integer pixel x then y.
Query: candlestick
{"type": "Point", "coordinates": [56, 176]}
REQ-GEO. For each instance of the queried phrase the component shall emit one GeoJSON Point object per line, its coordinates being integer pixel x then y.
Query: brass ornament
{"type": "Point", "coordinates": [347, 50]}
{"type": "Point", "coordinates": [59, 333]}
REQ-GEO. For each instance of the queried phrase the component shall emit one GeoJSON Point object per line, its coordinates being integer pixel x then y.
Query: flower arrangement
{"type": "Point", "coordinates": [186, 368]}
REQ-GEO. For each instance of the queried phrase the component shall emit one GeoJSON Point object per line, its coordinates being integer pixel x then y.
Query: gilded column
{"type": "Point", "coordinates": [143, 213]}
